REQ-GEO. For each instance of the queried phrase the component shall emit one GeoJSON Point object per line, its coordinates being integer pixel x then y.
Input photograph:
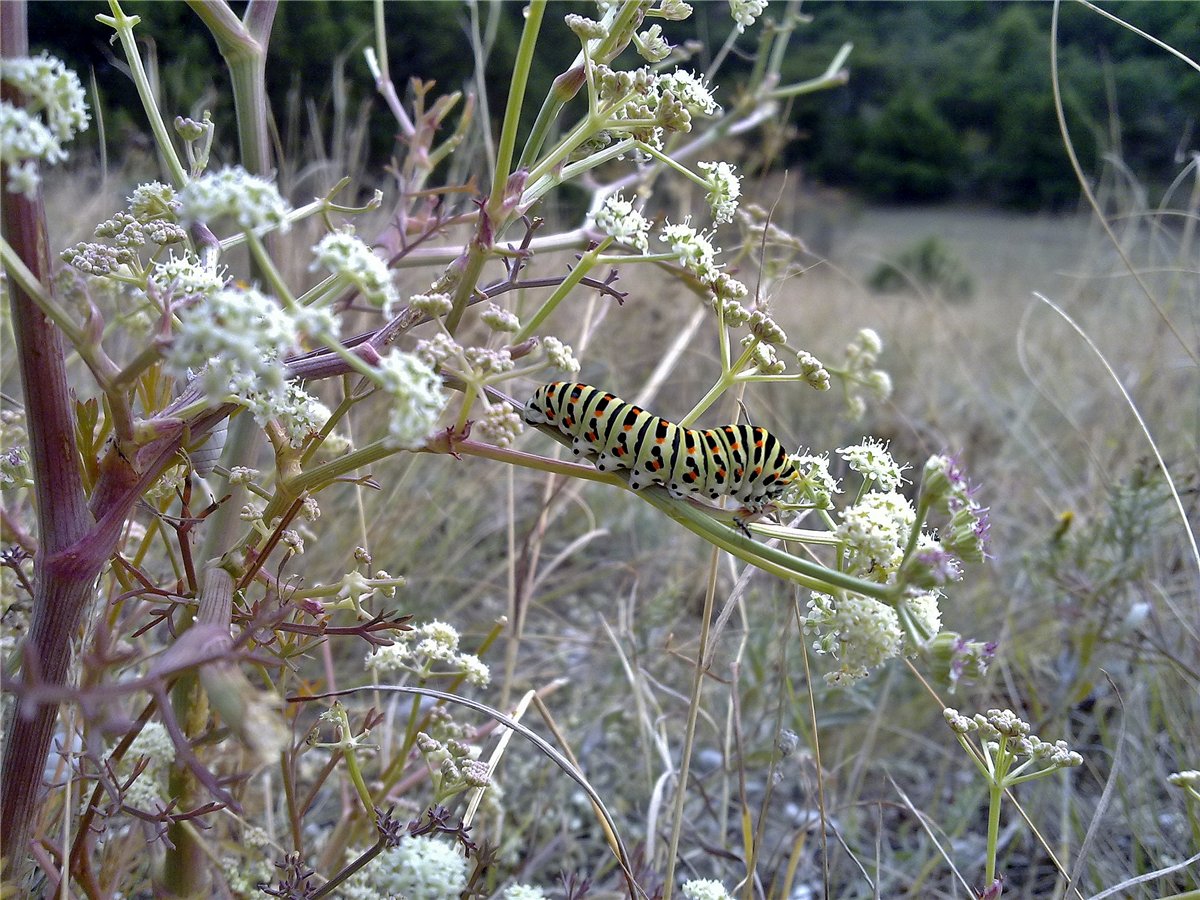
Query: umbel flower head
{"type": "Point", "coordinates": [252, 202]}
{"type": "Point", "coordinates": [419, 868]}
{"type": "Point", "coordinates": [53, 113]}
{"type": "Point", "coordinates": [416, 398]}
{"type": "Point", "coordinates": [618, 218]}
{"type": "Point", "coordinates": [859, 632]}
{"type": "Point", "coordinates": [724, 188]}
{"type": "Point", "coordinates": [427, 651]}
{"type": "Point", "coordinates": [347, 256]}
{"type": "Point", "coordinates": [237, 336]}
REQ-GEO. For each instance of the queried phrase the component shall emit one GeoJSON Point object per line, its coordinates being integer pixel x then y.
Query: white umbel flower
{"type": "Point", "coordinates": [239, 337]}
{"type": "Point", "coordinates": [690, 90]}
{"type": "Point", "coordinates": [618, 218]}
{"type": "Point", "coordinates": [346, 255]}
{"type": "Point", "coordinates": [724, 188]}
{"type": "Point", "coordinates": [54, 111]}
{"type": "Point", "coordinates": [416, 395]}
{"type": "Point", "coordinates": [252, 202]}
{"type": "Point", "coordinates": [420, 869]}
{"type": "Point", "coordinates": [859, 632]}
{"type": "Point", "coordinates": [705, 889]}
{"type": "Point", "coordinates": [744, 12]}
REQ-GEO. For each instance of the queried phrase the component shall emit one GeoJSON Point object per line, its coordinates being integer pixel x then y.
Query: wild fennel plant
{"type": "Point", "coordinates": [173, 503]}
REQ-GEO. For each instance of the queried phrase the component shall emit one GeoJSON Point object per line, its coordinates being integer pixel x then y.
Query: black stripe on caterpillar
{"type": "Point", "coordinates": [744, 461]}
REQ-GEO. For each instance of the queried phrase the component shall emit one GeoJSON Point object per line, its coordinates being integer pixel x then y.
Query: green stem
{"type": "Point", "coordinates": [538, 188]}
{"type": "Point", "coordinates": [995, 796]}
{"type": "Point", "coordinates": [586, 263]}
{"type": "Point", "coordinates": [360, 786]}
{"type": "Point", "coordinates": [243, 46]}
{"type": "Point", "coordinates": [516, 98]}
{"type": "Point", "coordinates": [269, 272]}
{"type": "Point", "coordinates": [28, 282]}
{"type": "Point", "coordinates": [833, 76]}
{"type": "Point", "coordinates": [124, 25]}
{"type": "Point", "coordinates": [477, 254]}
{"type": "Point", "coordinates": [721, 385]}
{"type": "Point", "coordinates": [770, 559]}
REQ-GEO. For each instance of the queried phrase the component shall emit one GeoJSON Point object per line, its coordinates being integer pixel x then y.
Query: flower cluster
{"type": "Point", "coordinates": [694, 250]}
{"type": "Point", "coordinates": [418, 869]}
{"type": "Point", "coordinates": [859, 632]}
{"type": "Point", "coordinates": [861, 379]}
{"type": "Point", "coordinates": [651, 45]}
{"type": "Point", "coordinates": [646, 105]}
{"type": "Point", "coordinates": [881, 538]}
{"type": "Point", "coordinates": [14, 457]}
{"type": "Point", "coordinates": [500, 424]}
{"type": "Point", "coordinates": [812, 371]}
{"type": "Point", "coordinates": [874, 532]}
{"type": "Point", "coordinates": [560, 355]}
{"type": "Point", "coordinates": [154, 745]}
{"type": "Point", "coordinates": [705, 889]}
{"type": "Point", "coordinates": [54, 111]}
{"type": "Point", "coordinates": [299, 413]}
{"type": "Point", "coordinates": [763, 356]}
{"type": "Point", "coordinates": [874, 463]}
{"type": "Point", "coordinates": [945, 487]}
{"type": "Point", "coordinates": [524, 892]}
{"type": "Point", "coordinates": [122, 236]}
{"type": "Point", "coordinates": [1005, 737]}
{"type": "Point", "coordinates": [238, 337]}
{"type": "Point", "coordinates": [724, 188]}
{"type": "Point", "coordinates": [428, 651]}
{"type": "Point", "coordinates": [815, 486]}
{"type": "Point", "coordinates": [433, 304]}
{"type": "Point", "coordinates": [454, 766]}
{"type": "Point", "coordinates": [417, 398]}
{"type": "Point", "coordinates": [1188, 779]}
{"type": "Point", "coordinates": [253, 203]}
{"type": "Point", "coordinates": [618, 218]}
{"type": "Point", "coordinates": [348, 258]}
{"type": "Point", "coordinates": [744, 12]}
{"type": "Point", "coordinates": [500, 319]}
{"type": "Point", "coordinates": [186, 279]}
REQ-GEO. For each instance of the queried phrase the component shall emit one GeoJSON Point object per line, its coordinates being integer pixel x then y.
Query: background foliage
{"type": "Point", "coordinates": [946, 100]}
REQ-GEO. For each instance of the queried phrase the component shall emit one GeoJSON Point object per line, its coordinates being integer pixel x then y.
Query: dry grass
{"type": "Point", "coordinates": [612, 602]}
{"type": "Point", "coordinates": [1000, 378]}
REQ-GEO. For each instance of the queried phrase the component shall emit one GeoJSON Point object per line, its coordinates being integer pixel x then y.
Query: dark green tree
{"type": "Point", "coordinates": [909, 152]}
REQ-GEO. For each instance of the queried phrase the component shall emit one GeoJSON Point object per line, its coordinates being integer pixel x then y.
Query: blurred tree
{"type": "Point", "coordinates": [908, 152]}
{"type": "Point", "coordinates": [944, 99]}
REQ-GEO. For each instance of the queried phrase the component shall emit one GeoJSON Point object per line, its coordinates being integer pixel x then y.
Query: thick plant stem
{"type": "Point", "coordinates": [243, 45]}
{"type": "Point", "coordinates": [62, 582]}
{"type": "Point", "coordinates": [516, 99]}
{"type": "Point", "coordinates": [184, 872]}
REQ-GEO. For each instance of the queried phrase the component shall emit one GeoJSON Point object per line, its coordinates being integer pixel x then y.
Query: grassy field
{"type": "Point", "coordinates": [1090, 591]}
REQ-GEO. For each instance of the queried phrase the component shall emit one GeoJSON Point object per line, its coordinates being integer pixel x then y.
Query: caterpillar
{"type": "Point", "coordinates": [744, 461]}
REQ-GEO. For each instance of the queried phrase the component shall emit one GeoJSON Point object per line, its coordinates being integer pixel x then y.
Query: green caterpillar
{"type": "Point", "coordinates": [744, 461]}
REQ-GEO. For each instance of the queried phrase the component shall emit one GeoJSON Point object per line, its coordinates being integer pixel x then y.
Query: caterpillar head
{"type": "Point", "coordinates": [534, 412]}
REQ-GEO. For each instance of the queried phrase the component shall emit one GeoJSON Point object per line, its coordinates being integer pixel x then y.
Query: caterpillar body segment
{"type": "Point", "coordinates": [745, 462]}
